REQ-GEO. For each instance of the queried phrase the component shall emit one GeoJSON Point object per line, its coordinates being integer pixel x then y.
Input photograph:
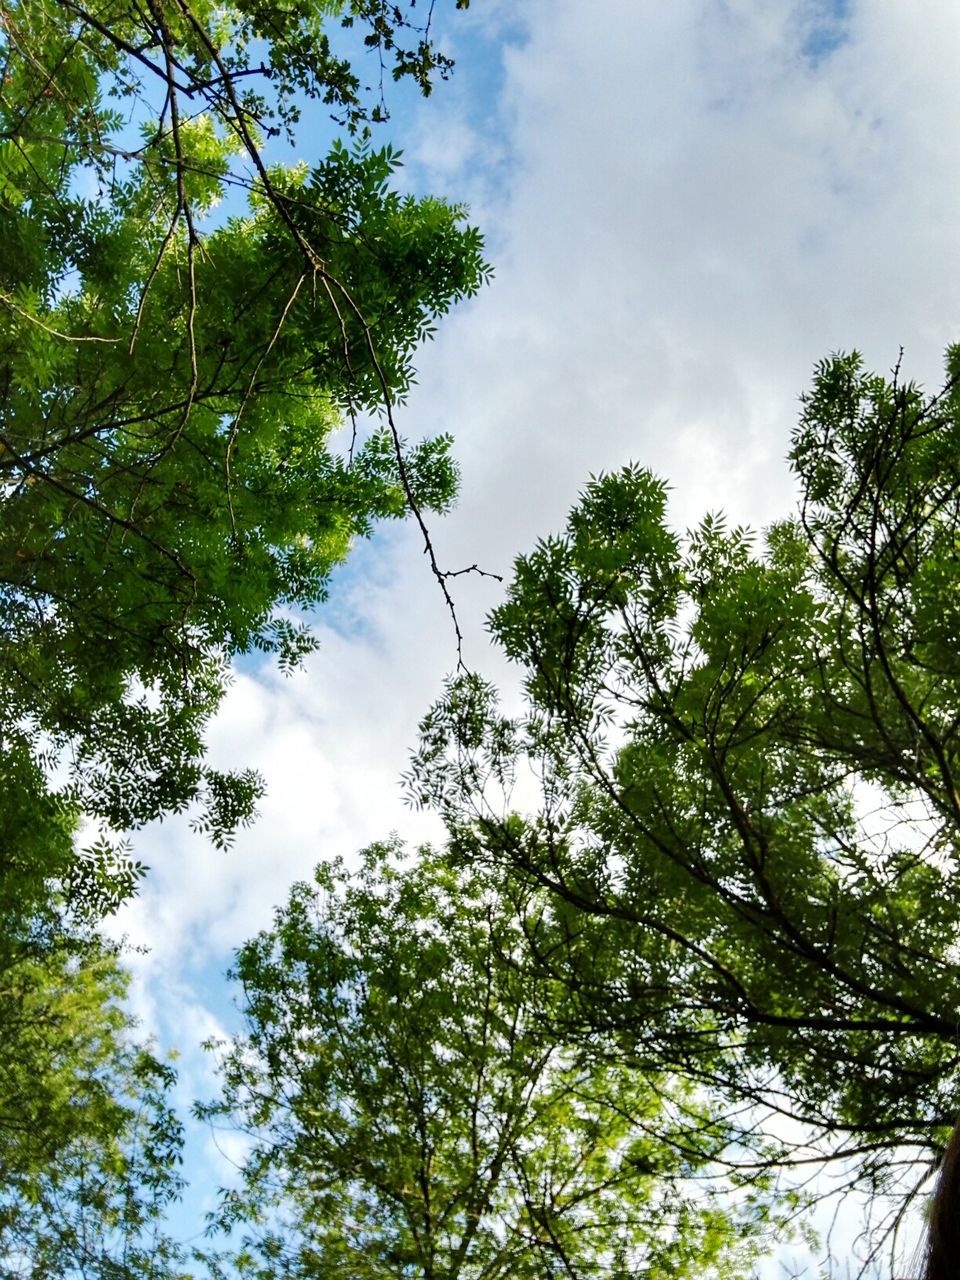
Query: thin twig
{"type": "Point", "coordinates": [247, 394]}
{"type": "Point", "coordinates": [67, 337]}
{"type": "Point", "coordinates": [473, 568]}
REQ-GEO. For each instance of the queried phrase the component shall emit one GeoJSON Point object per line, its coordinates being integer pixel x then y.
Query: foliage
{"type": "Point", "coordinates": [89, 1147]}
{"type": "Point", "coordinates": [408, 1117]}
{"type": "Point", "coordinates": [171, 376]}
{"type": "Point", "coordinates": [748, 757]}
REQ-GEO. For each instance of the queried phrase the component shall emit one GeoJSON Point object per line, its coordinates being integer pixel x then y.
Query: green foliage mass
{"type": "Point", "coordinates": [189, 336]}
{"type": "Point", "coordinates": [172, 379]}
{"type": "Point", "coordinates": [539, 1053]}
{"type": "Point", "coordinates": [409, 1114]}
{"type": "Point", "coordinates": [89, 1147]}
{"type": "Point", "coordinates": [749, 751]}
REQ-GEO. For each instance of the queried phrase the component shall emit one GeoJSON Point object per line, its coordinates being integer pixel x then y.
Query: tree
{"type": "Point", "coordinates": [748, 761]}
{"type": "Point", "coordinates": [89, 1146]}
{"type": "Point", "coordinates": [171, 376]}
{"type": "Point", "coordinates": [408, 1117]}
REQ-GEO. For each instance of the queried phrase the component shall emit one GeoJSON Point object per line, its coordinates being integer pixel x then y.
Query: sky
{"type": "Point", "coordinates": [687, 205]}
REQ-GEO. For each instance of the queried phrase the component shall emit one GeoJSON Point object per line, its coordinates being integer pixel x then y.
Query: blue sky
{"type": "Point", "coordinates": [828, 27]}
{"type": "Point", "coordinates": [687, 205]}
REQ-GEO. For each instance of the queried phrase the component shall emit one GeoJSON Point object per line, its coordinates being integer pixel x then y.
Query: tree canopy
{"type": "Point", "coordinates": [731, 901]}
{"type": "Point", "coordinates": [747, 751]}
{"type": "Point", "coordinates": [89, 1145]}
{"type": "Point", "coordinates": [172, 374]}
{"type": "Point", "coordinates": [409, 1113]}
